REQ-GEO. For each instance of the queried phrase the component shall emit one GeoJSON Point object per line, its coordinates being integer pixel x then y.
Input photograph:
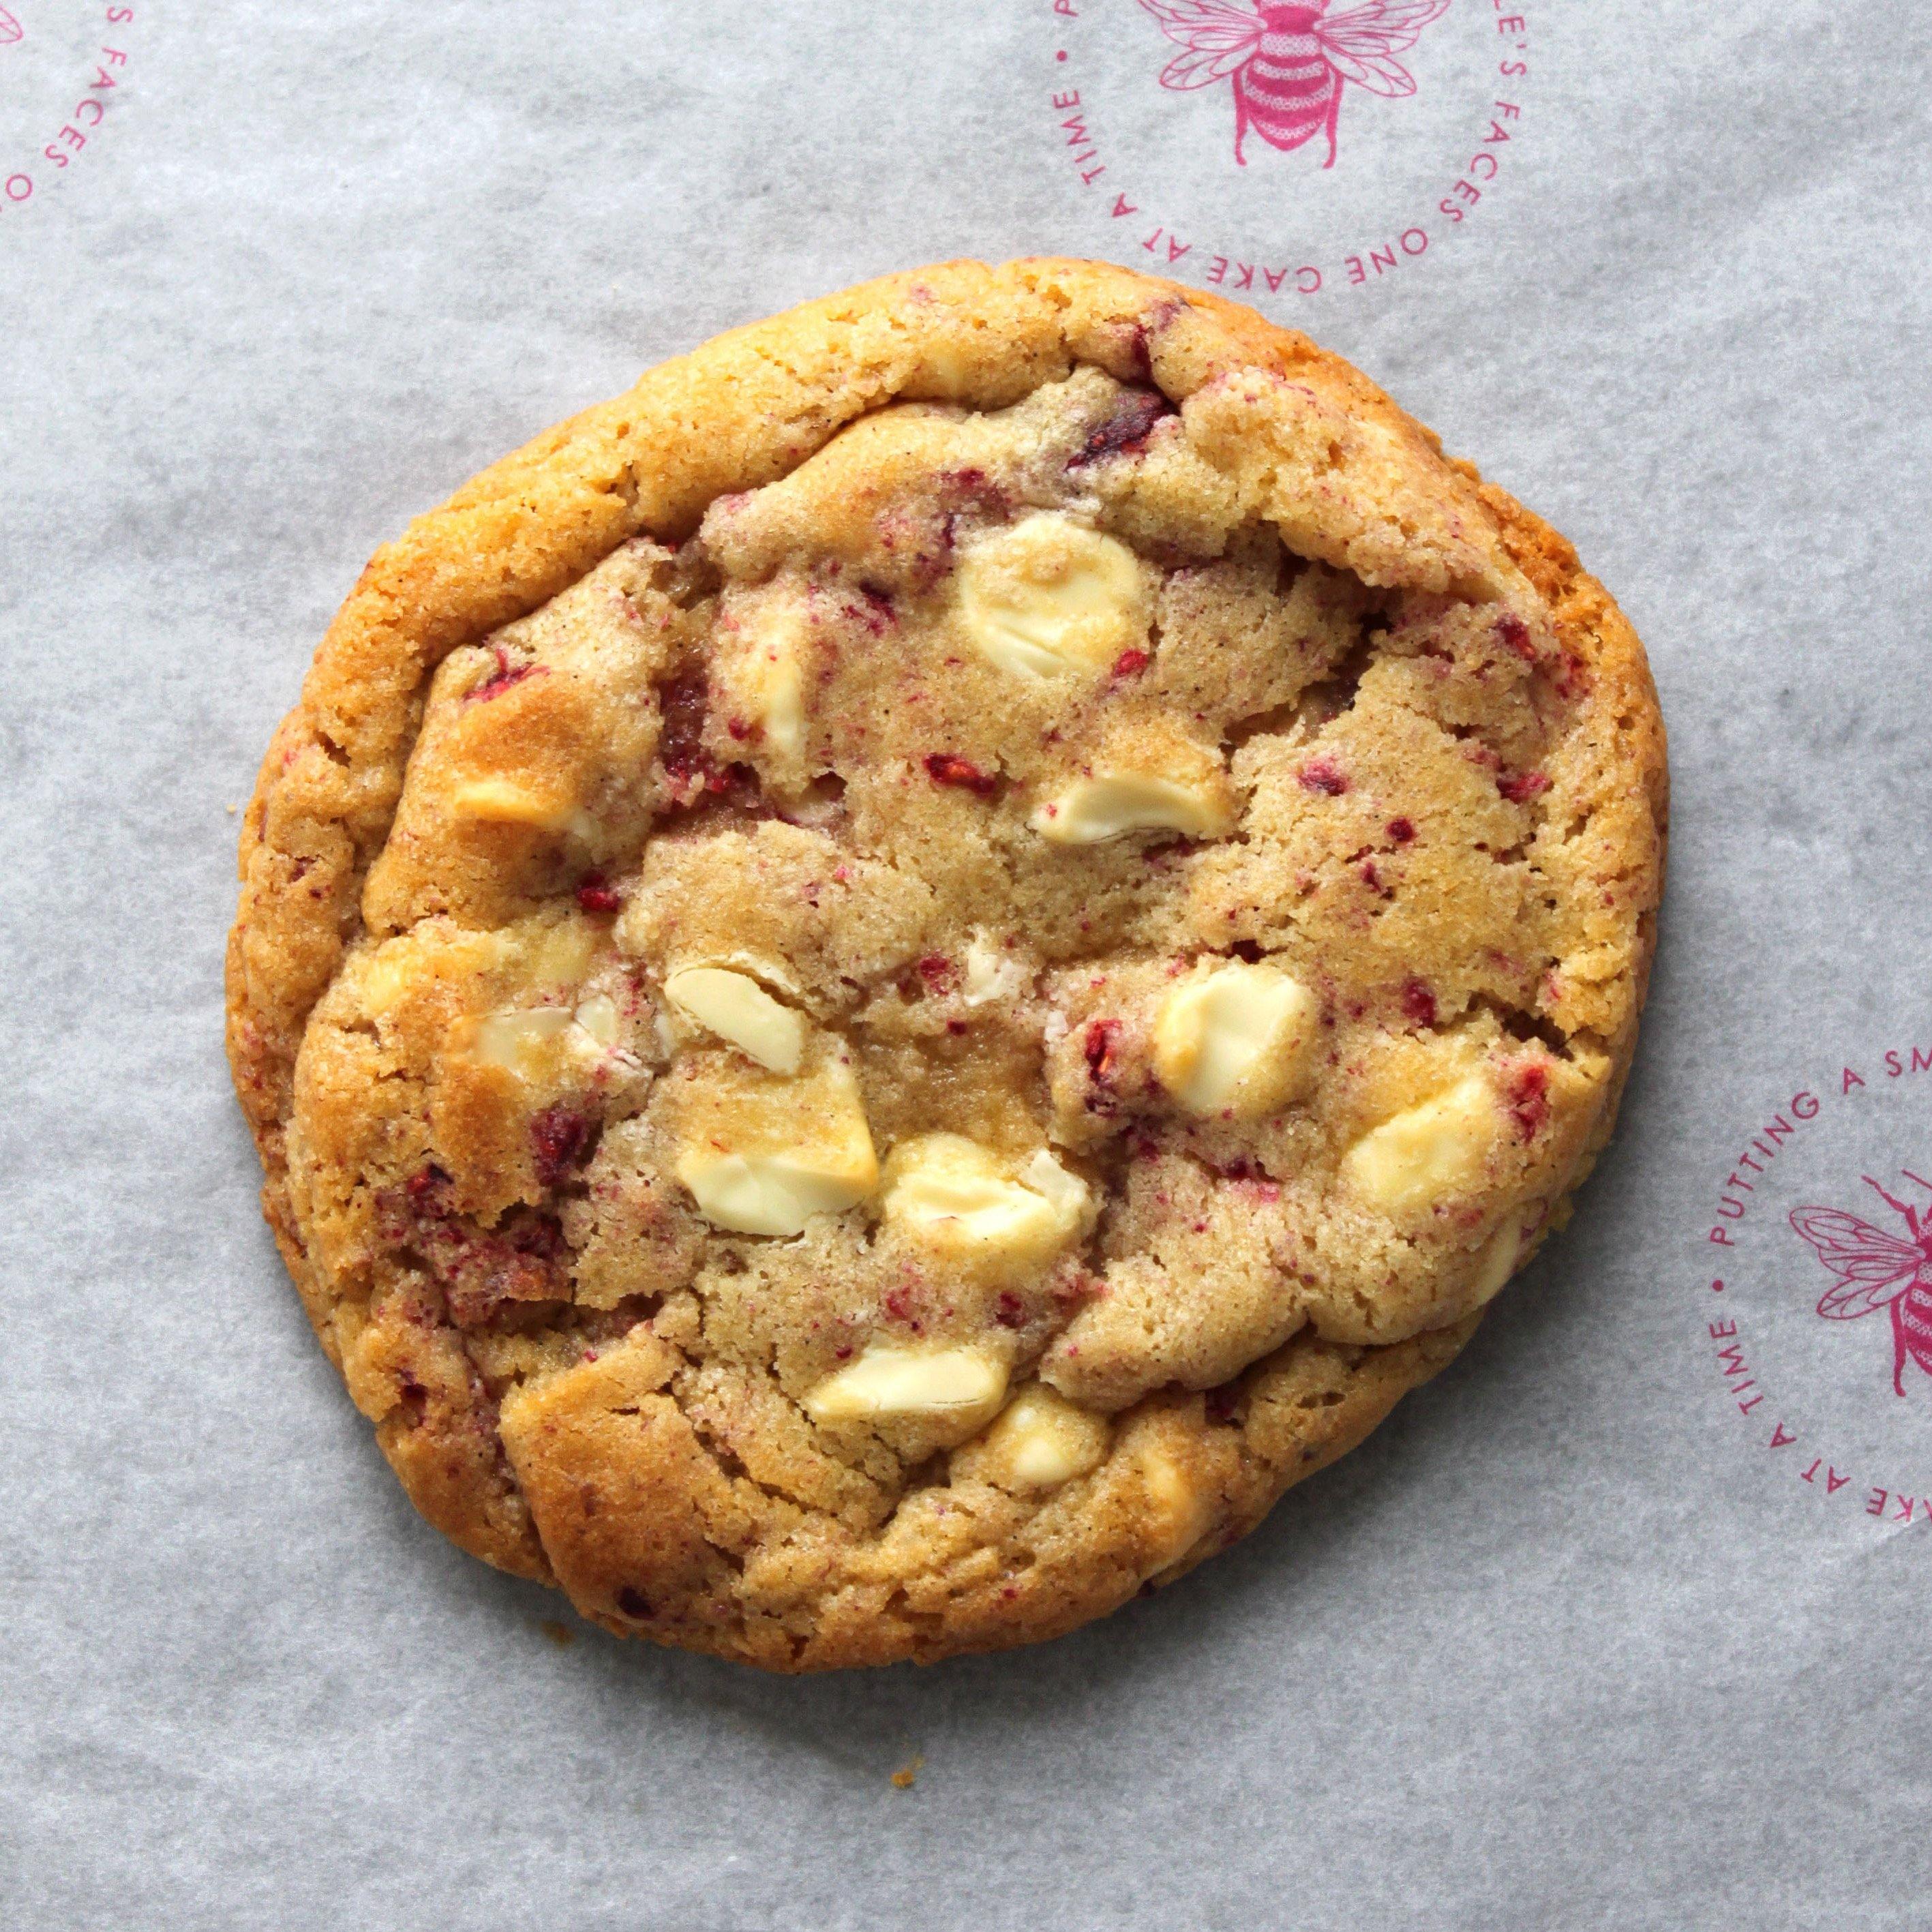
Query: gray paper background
{"type": "Point", "coordinates": [1562, 1645]}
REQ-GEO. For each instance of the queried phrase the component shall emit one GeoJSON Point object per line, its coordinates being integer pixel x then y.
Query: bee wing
{"type": "Point", "coordinates": [1361, 44]}
{"type": "Point", "coordinates": [1871, 1265]}
{"type": "Point", "coordinates": [1218, 38]}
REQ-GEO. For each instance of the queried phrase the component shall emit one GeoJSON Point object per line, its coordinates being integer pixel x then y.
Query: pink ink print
{"type": "Point", "coordinates": [1288, 64]}
{"type": "Point", "coordinates": [10, 29]}
{"type": "Point", "coordinates": [1875, 1270]}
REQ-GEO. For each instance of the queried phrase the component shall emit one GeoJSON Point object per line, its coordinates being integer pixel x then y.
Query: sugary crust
{"type": "Point", "coordinates": [746, 1573]}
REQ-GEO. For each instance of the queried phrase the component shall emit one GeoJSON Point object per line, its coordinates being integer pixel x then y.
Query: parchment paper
{"type": "Point", "coordinates": [1568, 1642]}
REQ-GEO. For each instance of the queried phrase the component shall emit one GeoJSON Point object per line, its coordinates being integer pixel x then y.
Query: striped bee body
{"type": "Point", "coordinates": [1287, 90]}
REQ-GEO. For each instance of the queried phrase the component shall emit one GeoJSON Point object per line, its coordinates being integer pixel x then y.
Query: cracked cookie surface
{"type": "Point", "coordinates": [885, 984]}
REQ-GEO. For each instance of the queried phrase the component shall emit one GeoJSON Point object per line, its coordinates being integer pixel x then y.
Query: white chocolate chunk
{"type": "Point", "coordinates": [1499, 1259]}
{"type": "Point", "coordinates": [953, 1196]}
{"type": "Point", "coordinates": [1045, 596]}
{"type": "Point", "coordinates": [961, 1386]}
{"type": "Point", "coordinates": [734, 1007]}
{"type": "Point", "coordinates": [1065, 1192]}
{"type": "Point", "coordinates": [1235, 1038]}
{"type": "Point", "coordinates": [597, 1017]}
{"type": "Point", "coordinates": [762, 967]}
{"type": "Point", "coordinates": [400, 967]}
{"type": "Point", "coordinates": [534, 1042]}
{"type": "Point", "coordinates": [769, 1193]}
{"type": "Point", "coordinates": [503, 800]}
{"type": "Point", "coordinates": [1039, 1441]}
{"type": "Point", "coordinates": [522, 1040]}
{"type": "Point", "coordinates": [774, 676]}
{"type": "Point", "coordinates": [1426, 1152]}
{"type": "Point", "coordinates": [385, 979]}
{"type": "Point", "coordinates": [991, 974]}
{"type": "Point", "coordinates": [1178, 1508]}
{"type": "Point", "coordinates": [1112, 804]}
{"type": "Point", "coordinates": [761, 1156]}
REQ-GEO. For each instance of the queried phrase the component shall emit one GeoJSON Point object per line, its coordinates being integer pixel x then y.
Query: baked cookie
{"type": "Point", "coordinates": [885, 984]}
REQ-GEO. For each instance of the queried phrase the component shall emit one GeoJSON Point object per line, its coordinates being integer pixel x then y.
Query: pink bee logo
{"type": "Point", "coordinates": [10, 29]}
{"type": "Point", "coordinates": [1288, 64]}
{"type": "Point", "coordinates": [1875, 1270]}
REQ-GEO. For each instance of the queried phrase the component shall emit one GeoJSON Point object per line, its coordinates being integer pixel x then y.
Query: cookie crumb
{"type": "Point", "coordinates": [561, 1634]}
{"type": "Point", "coordinates": [907, 1774]}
